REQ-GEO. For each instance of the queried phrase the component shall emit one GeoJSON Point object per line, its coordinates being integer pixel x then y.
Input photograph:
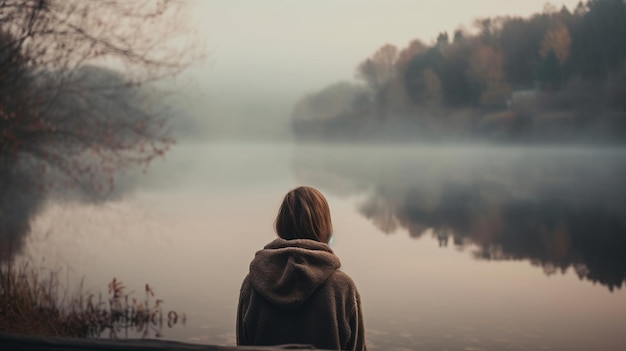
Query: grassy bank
{"type": "Point", "coordinates": [37, 304]}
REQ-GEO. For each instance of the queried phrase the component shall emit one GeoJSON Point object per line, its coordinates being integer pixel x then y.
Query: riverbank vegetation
{"type": "Point", "coordinates": [78, 104]}
{"type": "Point", "coordinates": [78, 99]}
{"type": "Point", "coordinates": [37, 304]}
{"type": "Point", "coordinates": [559, 75]}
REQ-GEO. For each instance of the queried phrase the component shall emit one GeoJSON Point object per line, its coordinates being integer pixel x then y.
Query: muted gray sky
{"type": "Point", "coordinates": [281, 43]}
{"type": "Point", "coordinates": [259, 49]}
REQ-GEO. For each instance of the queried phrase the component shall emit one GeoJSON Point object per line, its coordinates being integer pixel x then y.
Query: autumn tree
{"type": "Point", "coordinates": [429, 87]}
{"type": "Point", "coordinates": [486, 68]}
{"type": "Point", "coordinates": [422, 77]}
{"type": "Point", "coordinates": [458, 89]}
{"type": "Point", "coordinates": [557, 40]}
{"type": "Point", "coordinates": [75, 88]}
{"type": "Point", "coordinates": [554, 52]}
{"type": "Point", "coordinates": [378, 72]}
{"type": "Point", "coordinates": [379, 69]}
{"type": "Point", "coordinates": [415, 47]}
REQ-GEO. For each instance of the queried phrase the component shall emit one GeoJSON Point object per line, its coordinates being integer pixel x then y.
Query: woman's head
{"type": "Point", "coordinates": [304, 214]}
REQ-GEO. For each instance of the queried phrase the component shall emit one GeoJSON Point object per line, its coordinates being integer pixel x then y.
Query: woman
{"type": "Point", "coordinates": [295, 292]}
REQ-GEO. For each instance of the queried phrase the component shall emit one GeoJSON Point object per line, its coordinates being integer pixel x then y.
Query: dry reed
{"type": "Point", "coordinates": [38, 305]}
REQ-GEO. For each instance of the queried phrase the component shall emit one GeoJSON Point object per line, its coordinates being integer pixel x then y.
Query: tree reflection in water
{"type": "Point", "coordinates": [19, 203]}
{"type": "Point", "coordinates": [557, 208]}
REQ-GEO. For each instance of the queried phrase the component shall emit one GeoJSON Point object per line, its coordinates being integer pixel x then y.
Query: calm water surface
{"type": "Point", "coordinates": [452, 248]}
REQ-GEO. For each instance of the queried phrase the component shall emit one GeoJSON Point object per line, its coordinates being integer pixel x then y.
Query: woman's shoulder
{"type": "Point", "coordinates": [342, 288]}
{"type": "Point", "coordinates": [340, 275]}
{"type": "Point", "coordinates": [246, 286]}
{"type": "Point", "coordinates": [341, 280]}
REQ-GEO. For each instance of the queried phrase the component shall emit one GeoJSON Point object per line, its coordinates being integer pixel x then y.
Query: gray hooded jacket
{"type": "Point", "coordinates": [295, 293]}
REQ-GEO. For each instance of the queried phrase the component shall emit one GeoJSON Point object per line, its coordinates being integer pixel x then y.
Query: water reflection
{"type": "Point", "coordinates": [24, 195]}
{"type": "Point", "coordinates": [19, 203]}
{"type": "Point", "coordinates": [557, 208]}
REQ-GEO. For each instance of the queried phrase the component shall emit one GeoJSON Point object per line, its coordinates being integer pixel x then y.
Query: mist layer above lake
{"type": "Point", "coordinates": [451, 247]}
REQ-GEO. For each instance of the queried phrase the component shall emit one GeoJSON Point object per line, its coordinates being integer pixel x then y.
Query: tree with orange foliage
{"type": "Point", "coordinates": [378, 72]}
{"type": "Point", "coordinates": [557, 40]}
{"type": "Point", "coordinates": [486, 68]}
{"type": "Point", "coordinates": [415, 47]}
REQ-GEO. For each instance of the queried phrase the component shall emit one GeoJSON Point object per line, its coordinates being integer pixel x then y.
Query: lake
{"type": "Point", "coordinates": [451, 247]}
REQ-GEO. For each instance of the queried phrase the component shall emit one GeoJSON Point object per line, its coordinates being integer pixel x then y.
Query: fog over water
{"type": "Point", "coordinates": [450, 246]}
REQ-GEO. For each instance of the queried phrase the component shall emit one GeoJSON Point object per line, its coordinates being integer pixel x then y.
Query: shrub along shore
{"type": "Point", "coordinates": [36, 304]}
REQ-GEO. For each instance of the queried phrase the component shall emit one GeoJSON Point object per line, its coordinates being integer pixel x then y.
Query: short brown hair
{"type": "Point", "coordinates": [304, 214]}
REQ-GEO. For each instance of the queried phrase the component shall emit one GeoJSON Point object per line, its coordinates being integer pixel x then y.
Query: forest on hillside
{"type": "Point", "coordinates": [556, 76]}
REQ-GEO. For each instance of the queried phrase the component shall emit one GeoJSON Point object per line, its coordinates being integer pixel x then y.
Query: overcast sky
{"type": "Point", "coordinates": [287, 48]}
{"type": "Point", "coordinates": [282, 43]}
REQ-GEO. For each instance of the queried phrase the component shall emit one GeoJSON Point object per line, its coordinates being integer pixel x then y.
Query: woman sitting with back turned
{"type": "Point", "coordinates": [295, 292]}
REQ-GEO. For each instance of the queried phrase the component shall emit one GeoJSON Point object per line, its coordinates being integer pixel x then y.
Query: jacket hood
{"type": "Point", "coordinates": [287, 272]}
